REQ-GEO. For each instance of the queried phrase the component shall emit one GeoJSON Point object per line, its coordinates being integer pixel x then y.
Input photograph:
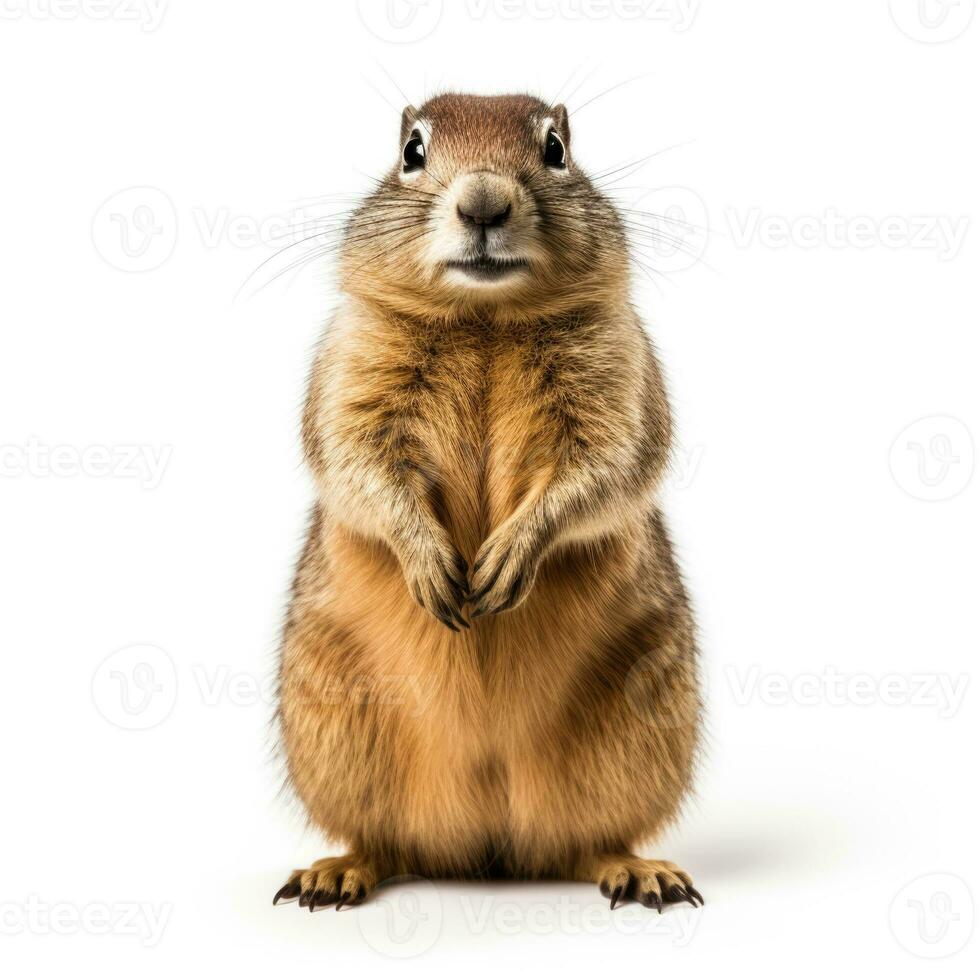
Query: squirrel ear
{"type": "Point", "coordinates": [560, 114]}
{"type": "Point", "coordinates": [410, 116]}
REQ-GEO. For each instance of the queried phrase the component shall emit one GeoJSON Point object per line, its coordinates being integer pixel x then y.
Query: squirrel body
{"type": "Point", "coordinates": [488, 666]}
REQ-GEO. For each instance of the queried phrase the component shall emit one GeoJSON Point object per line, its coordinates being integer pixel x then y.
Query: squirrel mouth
{"type": "Point", "coordinates": [486, 268]}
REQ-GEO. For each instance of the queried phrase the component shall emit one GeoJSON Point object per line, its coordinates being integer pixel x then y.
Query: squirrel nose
{"type": "Point", "coordinates": [483, 211]}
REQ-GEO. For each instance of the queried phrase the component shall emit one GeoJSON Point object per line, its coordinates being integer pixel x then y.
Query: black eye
{"type": "Point", "coordinates": [414, 153]}
{"type": "Point", "coordinates": [554, 150]}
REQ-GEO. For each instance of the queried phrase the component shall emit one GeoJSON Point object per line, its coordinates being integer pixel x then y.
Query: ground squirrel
{"type": "Point", "coordinates": [488, 667]}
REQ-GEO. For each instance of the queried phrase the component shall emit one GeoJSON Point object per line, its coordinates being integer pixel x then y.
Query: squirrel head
{"type": "Point", "coordinates": [485, 212]}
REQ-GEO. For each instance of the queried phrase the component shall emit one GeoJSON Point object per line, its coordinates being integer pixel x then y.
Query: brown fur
{"type": "Point", "coordinates": [524, 431]}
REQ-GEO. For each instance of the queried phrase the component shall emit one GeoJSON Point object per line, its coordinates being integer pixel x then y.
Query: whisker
{"type": "Point", "coordinates": [639, 164]}
{"type": "Point", "coordinates": [362, 230]}
{"type": "Point", "coordinates": [575, 90]}
{"type": "Point", "coordinates": [612, 88]}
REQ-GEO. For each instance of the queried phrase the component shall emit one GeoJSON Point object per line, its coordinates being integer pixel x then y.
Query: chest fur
{"type": "Point", "coordinates": [483, 434]}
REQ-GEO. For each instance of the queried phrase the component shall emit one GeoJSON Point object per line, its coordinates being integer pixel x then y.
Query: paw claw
{"type": "Point", "coordinates": [652, 883]}
{"type": "Point", "coordinates": [652, 900]}
{"type": "Point", "coordinates": [346, 880]}
{"type": "Point", "coordinates": [436, 578]}
{"type": "Point", "coordinates": [288, 891]}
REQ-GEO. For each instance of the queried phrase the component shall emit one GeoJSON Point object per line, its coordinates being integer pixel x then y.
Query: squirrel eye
{"type": "Point", "coordinates": [554, 150]}
{"type": "Point", "coordinates": [414, 153]}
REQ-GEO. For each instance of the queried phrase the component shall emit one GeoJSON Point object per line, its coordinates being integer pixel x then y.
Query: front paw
{"type": "Point", "coordinates": [504, 570]}
{"type": "Point", "coordinates": [436, 578]}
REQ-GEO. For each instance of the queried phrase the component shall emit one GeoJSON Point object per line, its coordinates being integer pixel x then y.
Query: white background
{"type": "Point", "coordinates": [829, 537]}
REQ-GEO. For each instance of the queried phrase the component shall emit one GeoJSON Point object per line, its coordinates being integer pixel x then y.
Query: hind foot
{"type": "Point", "coordinates": [651, 883]}
{"type": "Point", "coordinates": [336, 881]}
